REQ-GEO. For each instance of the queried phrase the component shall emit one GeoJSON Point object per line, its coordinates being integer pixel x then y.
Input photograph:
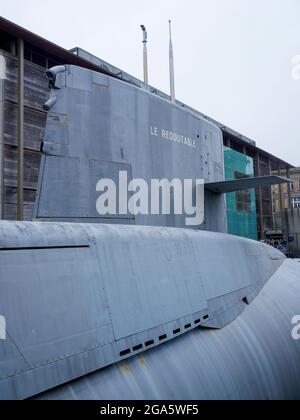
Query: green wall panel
{"type": "Point", "coordinates": [241, 206]}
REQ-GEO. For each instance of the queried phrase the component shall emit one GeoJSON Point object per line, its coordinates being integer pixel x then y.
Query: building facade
{"type": "Point", "coordinates": [287, 196]}
{"type": "Point", "coordinates": [286, 208]}
{"type": "Point", "coordinates": [241, 205]}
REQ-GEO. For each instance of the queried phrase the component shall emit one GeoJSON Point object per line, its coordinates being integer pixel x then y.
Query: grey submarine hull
{"type": "Point", "coordinates": [80, 297]}
{"type": "Point", "coordinates": [81, 292]}
{"type": "Point", "coordinates": [253, 358]}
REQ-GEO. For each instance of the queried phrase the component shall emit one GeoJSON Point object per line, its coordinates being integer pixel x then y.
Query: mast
{"type": "Point", "coordinates": [172, 71]}
{"type": "Point", "coordinates": [145, 54]}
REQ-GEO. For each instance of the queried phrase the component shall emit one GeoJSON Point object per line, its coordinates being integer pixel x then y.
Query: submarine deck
{"type": "Point", "coordinates": [247, 359]}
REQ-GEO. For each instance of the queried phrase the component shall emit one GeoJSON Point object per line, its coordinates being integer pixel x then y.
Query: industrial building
{"type": "Point", "coordinates": [24, 89]}
{"type": "Point", "coordinates": [286, 202]}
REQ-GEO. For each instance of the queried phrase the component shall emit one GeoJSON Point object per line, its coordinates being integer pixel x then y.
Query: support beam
{"type": "Point", "coordinates": [289, 188]}
{"type": "Point", "coordinates": [280, 190]}
{"type": "Point", "coordinates": [20, 180]}
{"type": "Point", "coordinates": [272, 197]}
{"type": "Point", "coordinates": [280, 201]}
{"type": "Point", "coordinates": [261, 214]}
{"type": "Point", "coordinates": [2, 86]}
{"type": "Point", "coordinates": [287, 221]}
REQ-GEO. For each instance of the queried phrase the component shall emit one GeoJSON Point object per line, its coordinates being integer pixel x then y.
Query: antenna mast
{"type": "Point", "coordinates": [172, 72]}
{"type": "Point", "coordinates": [145, 54]}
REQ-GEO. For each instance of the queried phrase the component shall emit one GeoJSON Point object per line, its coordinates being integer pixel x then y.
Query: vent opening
{"type": "Point", "coordinates": [125, 352]}
{"type": "Point", "coordinates": [137, 348]}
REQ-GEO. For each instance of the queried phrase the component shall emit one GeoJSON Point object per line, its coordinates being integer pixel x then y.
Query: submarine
{"type": "Point", "coordinates": [81, 291]}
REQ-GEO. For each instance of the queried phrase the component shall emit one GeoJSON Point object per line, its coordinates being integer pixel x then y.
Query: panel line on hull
{"type": "Point", "coordinates": [40, 248]}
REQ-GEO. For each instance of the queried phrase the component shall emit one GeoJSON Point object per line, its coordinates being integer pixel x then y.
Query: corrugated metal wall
{"type": "Point", "coordinates": [36, 93]}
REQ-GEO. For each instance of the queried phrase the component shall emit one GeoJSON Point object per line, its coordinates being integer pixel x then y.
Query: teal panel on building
{"type": "Point", "coordinates": [241, 205]}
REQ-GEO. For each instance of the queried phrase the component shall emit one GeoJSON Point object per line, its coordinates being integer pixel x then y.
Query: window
{"type": "Point", "coordinates": [243, 198]}
{"type": "Point", "coordinates": [296, 202]}
{"type": "Point", "coordinates": [292, 185]}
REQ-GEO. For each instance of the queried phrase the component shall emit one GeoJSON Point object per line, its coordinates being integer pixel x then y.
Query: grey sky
{"type": "Point", "coordinates": [232, 57]}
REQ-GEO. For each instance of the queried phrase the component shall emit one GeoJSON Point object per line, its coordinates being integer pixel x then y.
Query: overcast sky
{"type": "Point", "coordinates": [233, 58]}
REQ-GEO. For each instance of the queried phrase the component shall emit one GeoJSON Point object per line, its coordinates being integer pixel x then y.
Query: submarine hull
{"type": "Point", "coordinates": [80, 297]}
{"type": "Point", "coordinates": [253, 358]}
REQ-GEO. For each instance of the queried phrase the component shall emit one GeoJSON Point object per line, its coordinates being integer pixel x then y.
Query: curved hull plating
{"type": "Point", "coordinates": [78, 298]}
{"type": "Point", "coordinates": [254, 357]}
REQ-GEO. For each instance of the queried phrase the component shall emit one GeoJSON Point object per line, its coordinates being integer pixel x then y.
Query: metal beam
{"type": "Point", "coordinates": [287, 220]}
{"type": "Point", "coordinates": [20, 182]}
{"type": "Point", "coordinates": [272, 197]}
{"type": "Point", "coordinates": [224, 187]}
{"type": "Point", "coordinates": [280, 200]}
{"type": "Point", "coordinates": [2, 86]}
{"type": "Point", "coordinates": [288, 172]}
{"type": "Point", "coordinates": [280, 190]}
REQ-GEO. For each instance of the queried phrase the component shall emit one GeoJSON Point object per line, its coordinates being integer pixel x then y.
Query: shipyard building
{"type": "Point", "coordinates": [23, 91]}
